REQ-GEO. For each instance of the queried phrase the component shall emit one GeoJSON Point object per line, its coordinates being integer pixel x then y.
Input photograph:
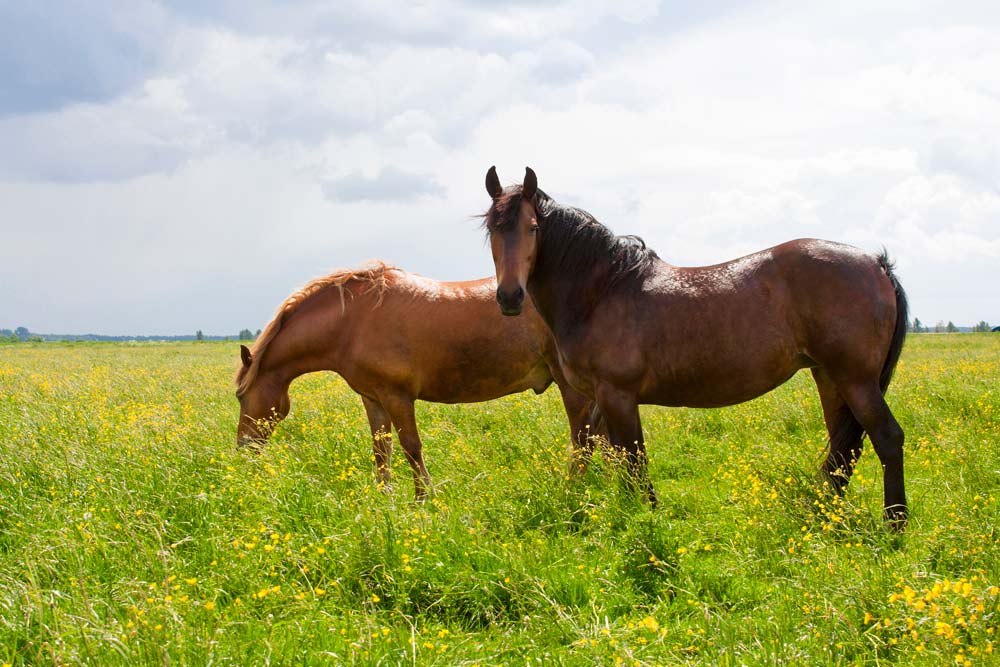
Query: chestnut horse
{"type": "Point", "coordinates": [632, 329]}
{"type": "Point", "coordinates": [396, 337]}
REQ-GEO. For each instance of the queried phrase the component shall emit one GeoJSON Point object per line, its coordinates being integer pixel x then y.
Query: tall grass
{"type": "Point", "coordinates": [132, 531]}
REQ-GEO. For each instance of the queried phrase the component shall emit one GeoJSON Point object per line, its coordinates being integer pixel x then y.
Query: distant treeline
{"type": "Point", "coordinates": [916, 326]}
{"type": "Point", "coordinates": [22, 334]}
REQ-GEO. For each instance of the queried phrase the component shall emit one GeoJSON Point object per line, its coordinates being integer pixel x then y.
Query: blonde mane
{"type": "Point", "coordinates": [373, 274]}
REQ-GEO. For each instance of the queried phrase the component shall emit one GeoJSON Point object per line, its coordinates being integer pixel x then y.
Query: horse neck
{"type": "Point", "coordinates": [308, 341]}
{"type": "Point", "coordinates": [564, 300]}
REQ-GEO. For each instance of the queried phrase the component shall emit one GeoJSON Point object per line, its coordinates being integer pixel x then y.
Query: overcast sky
{"type": "Point", "coordinates": [165, 167]}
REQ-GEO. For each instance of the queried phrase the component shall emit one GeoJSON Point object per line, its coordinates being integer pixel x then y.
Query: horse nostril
{"type": "Point", "coordinates": [513, 298]}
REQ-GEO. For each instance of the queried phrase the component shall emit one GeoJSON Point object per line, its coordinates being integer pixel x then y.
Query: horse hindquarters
{"type": "Point", "coordinates": [852, 387]}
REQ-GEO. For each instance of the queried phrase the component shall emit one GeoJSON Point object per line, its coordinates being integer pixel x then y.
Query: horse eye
{"type": "Point", "coordinates": [533, 228]}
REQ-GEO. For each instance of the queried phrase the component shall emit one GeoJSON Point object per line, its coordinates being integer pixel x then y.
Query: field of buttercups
{"type": "Point", "coordinates": [132, 530]}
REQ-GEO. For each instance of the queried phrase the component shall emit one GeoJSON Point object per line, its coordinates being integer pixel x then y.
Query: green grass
{"type": "Point", "coordinates": [133, 532]}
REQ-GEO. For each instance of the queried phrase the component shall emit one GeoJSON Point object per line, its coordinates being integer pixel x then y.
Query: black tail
{"type": "Point", "coordinates": [902, 314]}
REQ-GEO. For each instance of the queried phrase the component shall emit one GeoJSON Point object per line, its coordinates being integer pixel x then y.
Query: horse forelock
{"type": "Point", "coordinates": [375, 275]}
{"type": "Point", "coordinates": [503, 212]}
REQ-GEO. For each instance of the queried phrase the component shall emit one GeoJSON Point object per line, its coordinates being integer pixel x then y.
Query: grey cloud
{"type": "Point", "coordinates": [344, 24]}
{"type": "Point", "coordinates": [86, 143]}
{"type": "Point", "coordinates": [82, 160]}
{"type": "Point", "coordinates": [478, 25]}
{"type": "Point", "coordinates": [54, 54]}
{"type": "Point", "coordinates": [129, 89]}
{"type": "Point", "coordinates": [390, 184]}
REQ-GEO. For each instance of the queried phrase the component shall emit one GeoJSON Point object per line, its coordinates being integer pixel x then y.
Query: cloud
{"type": "Point", "coordinates": [479, 26]}
{"type": "Point", "coordinates": [148, 131]}
{"type": "Point", "coordinates": [939, 217]}
{"type": "Point", "coordinates": [215, 244]}
{"type": "Point", "coordinates": [389, 184]}
{"type": "Point", "coordinates": [975, 160]}
{"type": "Point", "coordinates": [332, 133]}
{"type": "Point", "coordinates": [216, 88]}
{"type": "Point", "coordinates": [54, 54]}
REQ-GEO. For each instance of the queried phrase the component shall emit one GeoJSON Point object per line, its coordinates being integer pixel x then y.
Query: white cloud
{"type": "Point", "coordinates": [938, 218]}
{"type": "Point", "coordinates": [144, 132]}
{"type": "Point", "coordinates": [389, 184]}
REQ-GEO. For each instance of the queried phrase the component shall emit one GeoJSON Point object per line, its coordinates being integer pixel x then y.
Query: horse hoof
{"type": "Point", "coordinates": [896, 517]}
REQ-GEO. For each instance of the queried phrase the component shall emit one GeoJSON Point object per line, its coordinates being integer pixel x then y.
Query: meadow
{"type": "Point", "coordinates": [132, 530]}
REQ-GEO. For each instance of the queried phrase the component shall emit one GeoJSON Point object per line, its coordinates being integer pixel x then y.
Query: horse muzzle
{"type": "Point", "coordinates": [511, 302]}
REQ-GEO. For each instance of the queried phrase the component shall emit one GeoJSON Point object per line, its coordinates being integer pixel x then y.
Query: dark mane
{"type": "Point", "coordinates": [573, 240]}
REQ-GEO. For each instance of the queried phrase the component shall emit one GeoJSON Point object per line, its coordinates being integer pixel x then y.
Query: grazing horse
{"type": "Point", "coordinates": [632, 329]}
{"type": "Point", "coordinates": [396, 337]}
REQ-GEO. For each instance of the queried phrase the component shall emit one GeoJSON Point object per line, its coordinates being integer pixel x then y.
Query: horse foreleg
{"type": "Point", "coordinates": [400, 409]}
{"type": "Point", "coordinates": [581, 412]}
{"type": "Point", "coordinates": [871, 410]}
{"type": "Point", "coordinates": [621, 414]}
{"type": "Point", "coordinates": [381, 426]}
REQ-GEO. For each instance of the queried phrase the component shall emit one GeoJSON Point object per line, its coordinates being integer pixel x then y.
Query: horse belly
{"type": "Point", "coordinates": [715, 378]}
{"type": "Point", "coordinates": [482, 380]}
{"type": "Point", "coordinates": [465, 351]}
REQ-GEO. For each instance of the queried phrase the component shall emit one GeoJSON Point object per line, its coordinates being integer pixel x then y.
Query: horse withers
{"type": "Point", "coordinates": [632, 329]}
{"type": "Point", "coordinates": [396, 337]}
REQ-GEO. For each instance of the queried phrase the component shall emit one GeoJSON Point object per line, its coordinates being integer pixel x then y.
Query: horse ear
{"type": "Point", "coordinates": [530, 184]}
{"type": "Point", "coordinates": [245, 355]}
{"type": "Point", "coordinates": [493, 183]}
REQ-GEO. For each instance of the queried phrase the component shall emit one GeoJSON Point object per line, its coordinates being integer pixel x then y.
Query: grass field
{"type": "Point", "coordinates": [133, 532]}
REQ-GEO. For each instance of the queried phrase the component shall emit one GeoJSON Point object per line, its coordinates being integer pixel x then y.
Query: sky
{"type": "Point", "coordinates": [169, 167]}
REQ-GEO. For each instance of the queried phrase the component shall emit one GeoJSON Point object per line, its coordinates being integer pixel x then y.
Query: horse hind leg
{"type": "Point", "coordinates": [381, 427]}
{"type": "Point", "coordinates": [871, 410]}
{"type": "Point", "coordinates": [845, 433]}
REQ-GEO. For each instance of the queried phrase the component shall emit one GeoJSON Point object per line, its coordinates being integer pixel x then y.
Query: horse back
{"type": "Point", "coordinates": [446, 342]}
{"type": "Point", "coordinates": [722, 334]}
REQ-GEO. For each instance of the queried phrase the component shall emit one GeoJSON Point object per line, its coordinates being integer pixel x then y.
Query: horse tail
{"type": "Point", "coordinates": [902, 315]}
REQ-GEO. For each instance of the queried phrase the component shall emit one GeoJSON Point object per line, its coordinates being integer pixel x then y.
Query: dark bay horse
{"type": "Point", "coordinates": [396, 337]}
{"type": "Point", "coordinates": [632, 329]}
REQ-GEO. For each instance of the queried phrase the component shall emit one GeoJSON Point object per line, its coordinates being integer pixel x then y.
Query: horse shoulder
{"type": "Point", "coordinates": [606, 345]}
